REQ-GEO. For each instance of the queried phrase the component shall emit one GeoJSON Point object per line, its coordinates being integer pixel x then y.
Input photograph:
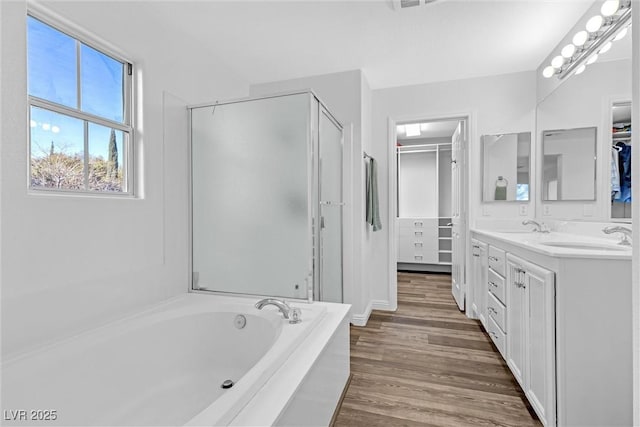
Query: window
{"type": "Point", "coordinates": [79, 114]}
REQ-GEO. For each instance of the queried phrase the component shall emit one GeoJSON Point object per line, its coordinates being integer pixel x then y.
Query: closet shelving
{"type": "Point", "coordinates": [424, 207]}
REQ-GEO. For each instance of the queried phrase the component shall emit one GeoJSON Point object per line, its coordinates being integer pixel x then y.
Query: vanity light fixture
{"type": "Point", "coordinates": [568, 50]}
{"type": "Point", "coordinates": [557, 62]}
{"type": "Point", "coordinates": [580, 38]}
{"type": "Point", "coordinates": [610, 7]}
{"type": "Point", "coordinates": [580, 69]}
{"type": "Point", "coordinates": [601, 31]}
{"type": "Point", "coordinates": [595, 23]}
{"type": "Point", "coordinates": [621, 34]}
{"type": "Point", "coordinates": [605, 48]}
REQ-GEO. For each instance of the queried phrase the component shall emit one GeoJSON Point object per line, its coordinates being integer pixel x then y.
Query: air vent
{"type": "Point", "coordinates": [403, 4]}
{"type": "Point", "coordinates": [409, 3]}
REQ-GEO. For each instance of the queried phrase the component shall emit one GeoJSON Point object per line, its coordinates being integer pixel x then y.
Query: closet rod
{"type": "Point", "coordinates": [440, 144]}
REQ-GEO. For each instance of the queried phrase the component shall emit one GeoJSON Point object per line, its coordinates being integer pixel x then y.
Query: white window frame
{"type": "Point", "coordinates": [127, 126]}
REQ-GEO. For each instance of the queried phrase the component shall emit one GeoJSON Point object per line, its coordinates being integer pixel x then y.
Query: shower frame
{"type": "Point", "coordinates": [316, 108]}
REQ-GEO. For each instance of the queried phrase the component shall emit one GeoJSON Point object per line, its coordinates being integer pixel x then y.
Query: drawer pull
{"type": "Point", "coordinates": [492, 258]}
{"type": "Point", "coordinates": [493, 334]}
{"type": "Point", "coordinates": [492, 284]}
{"type": "Point", "coordinates": [418, 233]}
{"type": "Point", "coordinates": [418, 223]}
{"type": "Point", "coordinates": [492, 310]}
{"type": "Point", "coordinates": [417, 256]}
{"type": "Point", "coordinates": [418, 244]}
{"type": "Point", "coordinates": [476, 255]}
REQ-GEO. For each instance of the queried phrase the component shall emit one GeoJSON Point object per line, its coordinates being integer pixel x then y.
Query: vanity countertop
{"type": "Point", "coordinates": [559, 244]}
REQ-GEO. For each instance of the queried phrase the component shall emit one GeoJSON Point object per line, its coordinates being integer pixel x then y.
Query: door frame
{"type": "Point", "coordinates": [392, 247]}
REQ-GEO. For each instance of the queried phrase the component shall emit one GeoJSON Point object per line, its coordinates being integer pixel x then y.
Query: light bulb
{"type": "Point", "coordinates": [605, 48]}
{"type": "Point", "coordinates": [610, 7]}
{"type": "Point", "coordinates": [594, 23]}
{"type": "Point", "coordinates": [580, 69]}
{"type": "Point", "coordinates": [580, 38]}
{"type": "Point", "coordinates": [621, 34]}
{"type": "Point", "coordinates": [557, 62]}
{"type": "Point", "coordinates": [548, 72]}
{"type": "Point", "coordinates": [592, 59]}
{"type": "Point", "coordinates": [568, 50]}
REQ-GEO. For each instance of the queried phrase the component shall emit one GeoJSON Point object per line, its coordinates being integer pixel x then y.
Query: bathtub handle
{"type": "Point", "coordinates": [295, 315]}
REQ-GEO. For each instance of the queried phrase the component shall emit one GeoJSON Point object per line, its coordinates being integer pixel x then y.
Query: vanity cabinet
{"type": "Point", "coordinates": [566, 322]}
{"type": "Point", "coordinates": [531, 332]}
{"type": "Point", "coordinates": [479, 269]}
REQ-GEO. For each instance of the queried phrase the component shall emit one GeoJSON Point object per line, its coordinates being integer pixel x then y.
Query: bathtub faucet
{"type": "Point", "coordinates": [291, 314]}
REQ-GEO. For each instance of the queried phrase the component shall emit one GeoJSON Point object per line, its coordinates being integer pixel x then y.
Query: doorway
{"type": "Point", "coordinates": [429, 198]}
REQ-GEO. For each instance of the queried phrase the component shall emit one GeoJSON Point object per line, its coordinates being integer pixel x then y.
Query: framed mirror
{"type": "Point", "coordinates": [506, 166]}
{"type": "Point", "coordinates": [569, 164]}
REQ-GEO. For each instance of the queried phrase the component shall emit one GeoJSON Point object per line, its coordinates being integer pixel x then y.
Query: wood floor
{"type": "Point", "coordinates": [427, 364]}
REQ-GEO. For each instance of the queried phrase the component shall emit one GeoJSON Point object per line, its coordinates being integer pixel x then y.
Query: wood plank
{"type": "Point", "coordinates": [427, 364]}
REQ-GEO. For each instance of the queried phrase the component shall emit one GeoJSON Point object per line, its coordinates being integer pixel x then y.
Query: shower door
{"type": "Point", "coordinates": [330, 167]}
{"type": "Point", "coordinates": [252, 176]}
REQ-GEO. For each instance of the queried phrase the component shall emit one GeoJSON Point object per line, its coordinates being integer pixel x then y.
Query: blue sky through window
{"type": "Point", "coordinates": [53, 76]}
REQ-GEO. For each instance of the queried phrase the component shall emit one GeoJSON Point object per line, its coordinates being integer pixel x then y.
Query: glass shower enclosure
{"type": "Point", "coordinates": [266, 198]}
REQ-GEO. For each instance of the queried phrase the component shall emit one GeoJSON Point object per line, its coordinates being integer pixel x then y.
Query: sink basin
{"type": "Point", "coordinates": [587, 246]}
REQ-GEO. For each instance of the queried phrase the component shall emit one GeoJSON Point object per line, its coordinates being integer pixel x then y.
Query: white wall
{"type": "Point", "coordinates": [72, 263]}
{"type": "Point", "coordinates": [347, 96]}
{"type": "Point", "coordinates": [418, 185]}
{"type": "Point", "coordinates": [497, 104]}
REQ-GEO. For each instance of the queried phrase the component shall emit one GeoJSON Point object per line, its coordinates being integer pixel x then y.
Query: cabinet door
{"type": "Point", "coordinates": [516, 321]}
{"type": "Point", "coordinates": [478, 291]}
{"type": "Point", "coordinates": [540, 384]}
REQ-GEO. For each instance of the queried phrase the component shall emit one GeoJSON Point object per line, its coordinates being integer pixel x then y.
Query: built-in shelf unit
{"type": "Point", "coordinates": [424, 207]}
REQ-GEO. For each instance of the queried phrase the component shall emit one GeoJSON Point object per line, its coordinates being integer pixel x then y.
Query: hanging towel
{"type": "Point", "coordinates": [373, 211]}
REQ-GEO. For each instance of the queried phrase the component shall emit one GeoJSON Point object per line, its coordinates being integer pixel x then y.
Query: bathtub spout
{"type": "Point", "coordinates": [282, 306]}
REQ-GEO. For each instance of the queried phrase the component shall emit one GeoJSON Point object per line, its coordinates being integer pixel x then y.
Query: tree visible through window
{"type": "Point", "coordinates": [80, 125]}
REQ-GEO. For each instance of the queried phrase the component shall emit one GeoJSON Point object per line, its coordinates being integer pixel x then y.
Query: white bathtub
{"type": "Point", "coordinates": [162, 367]}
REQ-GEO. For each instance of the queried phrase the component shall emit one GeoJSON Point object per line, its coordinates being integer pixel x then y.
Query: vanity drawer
{"type": "Point", "coordinates": [497, 311]}
{"type": "Point", "coordinates": [417, 223]}
{"type": "Point", "coordinates": [496, 286]}
{"type": "Point", "coordinates": [497, 260]}
{"type": "Point", "coordinates": [497, 336]}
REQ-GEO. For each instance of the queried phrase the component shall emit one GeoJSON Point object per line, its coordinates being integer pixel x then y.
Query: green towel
{"type": "Point", "coordinates": [501, 193]}
{"type": "Point", "coordinates": [373, 210]}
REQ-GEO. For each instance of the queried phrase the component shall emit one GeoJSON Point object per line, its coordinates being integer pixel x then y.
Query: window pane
{"type": "Point", "coordinates": [102, 84]}
{"type": "Point", "coordinates": [106, 166]}
{"type": "Point", "coordinates": [57, 150]}
{"type": "Point", "coordinates": [51, 64]}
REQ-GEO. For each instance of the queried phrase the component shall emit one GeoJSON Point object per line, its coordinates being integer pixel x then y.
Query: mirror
{"type": "Point", "coordinates": [569, 164]}
{"type": "Point", "coordinates": [581, 107]}
{"type": "Point", "coordinates": [506, 167]}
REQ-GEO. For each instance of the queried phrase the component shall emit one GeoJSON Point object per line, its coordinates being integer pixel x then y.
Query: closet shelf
{"type": "Point", "coordinates": [445, 251]}
{"type": "Point", "coordinates": [444, 238]}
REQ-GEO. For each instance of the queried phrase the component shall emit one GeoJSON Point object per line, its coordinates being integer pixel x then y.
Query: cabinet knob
{"type": "Point", "coordinates": [493, 284]}
{"type": "Point", "coordinates": [492, 258]}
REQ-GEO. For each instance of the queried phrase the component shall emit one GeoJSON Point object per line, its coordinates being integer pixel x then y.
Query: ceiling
{"type": "Point", "coordinates": [269, 40]}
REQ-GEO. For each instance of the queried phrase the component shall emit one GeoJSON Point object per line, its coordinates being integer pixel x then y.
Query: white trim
{"type": "Point", "coordinates": [382, 305]}
{"type": "Point", "coordinates": [362, 319]}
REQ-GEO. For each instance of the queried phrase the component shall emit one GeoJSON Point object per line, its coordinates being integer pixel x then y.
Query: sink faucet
{"type": "Point", "coordinates": [291, 314]}
{"type": "Point", "coordinates": [626, 233]}
{"type": "Point", "coordinates": [540, 227]}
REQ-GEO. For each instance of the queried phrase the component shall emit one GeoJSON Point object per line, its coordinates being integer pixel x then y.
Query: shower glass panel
{"type": "Point", "coordinates": [330, 209]}
{"type": "Point", "coordinates": [251, 199]}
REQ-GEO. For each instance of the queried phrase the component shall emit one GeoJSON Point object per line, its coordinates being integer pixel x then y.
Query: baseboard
{"type": "Point", "coordinates": [362, 319]}
{"type": "Point", "coordinates": [382, 305]}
